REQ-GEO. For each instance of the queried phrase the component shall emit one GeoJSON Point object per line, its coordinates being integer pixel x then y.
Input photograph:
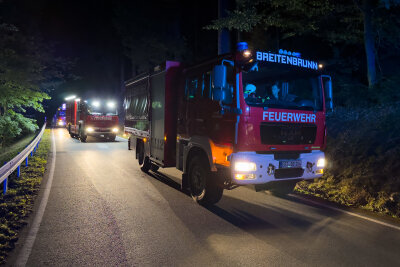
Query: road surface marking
{"type": "Point", "coordinates": [30, 239]}
{"type": "Point", "coordinates": [347, 212]}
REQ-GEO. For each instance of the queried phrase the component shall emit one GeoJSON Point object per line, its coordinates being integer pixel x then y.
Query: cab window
{"type": "Point", "coordinates": [191, 88]}
{"type": "Point", "coordinates": [206, 85]}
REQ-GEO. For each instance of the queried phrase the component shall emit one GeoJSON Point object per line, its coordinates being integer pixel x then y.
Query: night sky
{"type": "Point", "coordinates": [85, 32]}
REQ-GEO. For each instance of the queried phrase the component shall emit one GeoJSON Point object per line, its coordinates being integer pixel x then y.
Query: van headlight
{"type": "Point", "coordinates": [245, 166]}
{"type": "Point", "coordinates": [321, 163]}
{"type": "Point", "coordinates": [115, 130]}
{"type": "Point", "coordinates": [89, 130]}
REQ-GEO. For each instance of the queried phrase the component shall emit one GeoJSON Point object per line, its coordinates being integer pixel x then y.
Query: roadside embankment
{"type": "Point", "coordinates": [9, 152]}
{"type": "Point", "coordinates": [363, 155]}
{"type": "Point", "coordinates": [18, 202]}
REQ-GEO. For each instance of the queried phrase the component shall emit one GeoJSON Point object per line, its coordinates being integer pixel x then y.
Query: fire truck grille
{"type": "Point", "coordinates": [287, 133]}
{"type": "Point", "coordinates": [288, 173]}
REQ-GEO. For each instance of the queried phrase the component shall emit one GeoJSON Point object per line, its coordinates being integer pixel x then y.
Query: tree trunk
{"type": "Point", "coordinates": [224, 39]}
{"type": "Point", "coordinates": [369, 42]}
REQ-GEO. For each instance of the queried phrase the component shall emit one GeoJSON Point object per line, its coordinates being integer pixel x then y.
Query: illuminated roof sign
{"type": "Point", "coordinates": [287, 59]}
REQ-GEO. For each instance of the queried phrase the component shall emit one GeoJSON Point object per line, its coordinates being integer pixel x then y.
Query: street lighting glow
{"type": "Point", "coordinates": [70, 97]}
{"type": "Point", "coordinates": [111, 104]}
{"type": "Point", "coordinates": [96, 104]}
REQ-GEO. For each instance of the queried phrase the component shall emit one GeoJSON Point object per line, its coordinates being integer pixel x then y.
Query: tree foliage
{"type": "Point", "coordinates": [148, 41]}
{"type": "Point", "coordinates": [340, 24]}
{"type": "Point", "coordinates": [21, 72]}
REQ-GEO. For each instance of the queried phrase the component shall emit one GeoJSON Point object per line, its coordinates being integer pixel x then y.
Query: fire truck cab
{"type": "Point", "coordinates": [91, 118]}
{"type": "Point", "coordinates": [249, 117]}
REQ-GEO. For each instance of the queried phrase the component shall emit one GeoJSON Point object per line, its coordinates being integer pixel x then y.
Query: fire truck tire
{"type": "Point", "coordinates": [203, 185]}
{"type": "Point", "coordinates": [111, 137]}
{"type": "Point", "coordinates": [82, 136]}
{"type": "Point", "coordinates": [69, 131]}
{"type": "Point", "coordinates": [144, 162]}
{"type": "Point", "coordinates": [154, 167]}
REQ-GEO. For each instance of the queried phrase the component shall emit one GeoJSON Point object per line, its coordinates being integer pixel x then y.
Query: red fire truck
{"type": "Point", "coordinates": [59, 117]}
{"type": "Point", "coordinates": [249, 117]}
{"type": "Point", "coordinates": [91, 118]}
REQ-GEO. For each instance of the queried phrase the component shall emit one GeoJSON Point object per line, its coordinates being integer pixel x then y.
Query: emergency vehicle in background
{"type": "Point", "coordinates": [248, 117]}
{"type": "Point", "coordinates": [91, 118]}
{"type": "Point", "coordinates": [59, 117]}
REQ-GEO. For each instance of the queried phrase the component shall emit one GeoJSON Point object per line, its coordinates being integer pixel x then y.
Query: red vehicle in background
{"type": "Point", "coordinates": [91, 118]}
{"type": "Point", "coordinates": [59, 117]}
{"type": "Point", "coordinates": [249, 117]}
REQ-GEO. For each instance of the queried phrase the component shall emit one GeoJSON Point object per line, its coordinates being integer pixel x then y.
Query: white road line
{"type": "Point", "coordinates": [30, 240]}
{"type": "Point", "coordinates": [347, 212]}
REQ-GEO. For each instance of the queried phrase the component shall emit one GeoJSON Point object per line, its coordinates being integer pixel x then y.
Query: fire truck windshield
{"type": "Point", "coordinates": [97, 109]}
{"type": "Point", "coordinates": [282, 87]}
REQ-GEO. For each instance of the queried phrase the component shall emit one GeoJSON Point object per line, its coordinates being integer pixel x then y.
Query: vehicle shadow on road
{"type": "Point", "coordinates": [284, 223]}
{"type": "Point", "coordinates": [269, 211]}
{"type": "Point", "coordinates": [168, 181]}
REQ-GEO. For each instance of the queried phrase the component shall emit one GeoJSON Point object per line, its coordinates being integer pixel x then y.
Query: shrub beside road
{"type": "Point", "coordinates": [364, 165]}
{"type": "Point", "coordinates": [18, 202]}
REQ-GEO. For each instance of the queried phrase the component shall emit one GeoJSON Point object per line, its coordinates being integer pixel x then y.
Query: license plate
{"type": "Point", "coordinates": [284, 164]}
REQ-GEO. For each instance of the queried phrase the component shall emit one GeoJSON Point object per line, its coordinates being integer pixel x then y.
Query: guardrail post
{"type": "Point", "coordinates": [26, 160]}
{"type": "Point", "coordinates": [31, 153]}
{"type": "Point", "coordinates": [19, 170]}
{"type": "Point", "coordinates": [5, 182]}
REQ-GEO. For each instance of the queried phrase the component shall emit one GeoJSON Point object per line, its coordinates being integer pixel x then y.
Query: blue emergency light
{"type": "Point", "coordinates": [242, 46]}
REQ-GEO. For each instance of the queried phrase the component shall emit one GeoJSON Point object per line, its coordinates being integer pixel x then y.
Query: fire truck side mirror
{"type": "Point", "coordinates": [219, 82]}
{"type": "Point", "coordinates": [219, 76]}
{"type": "Point", "coordinates": [327, 80]}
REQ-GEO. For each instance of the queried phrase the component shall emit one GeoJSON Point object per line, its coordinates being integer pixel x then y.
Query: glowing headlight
{"type": "Point", "coordinates": [89, 130]}
{"type": "Point", "coordinates": [244, 166]}
{"type": "Point", "coordinates": [111, 104]}
{"type": "Point", "coordinates": [115, 130]}
{"type": "Point", "coordinates": [60, 123]}
{"type": "Point", "coordinates": [321, 163]}
{"type": "Point", "coordinates": [248, 176]}
{"type": "Point", "coordinates": [247, 53]}
{"type": "Point", "coordinates": [96, 104]}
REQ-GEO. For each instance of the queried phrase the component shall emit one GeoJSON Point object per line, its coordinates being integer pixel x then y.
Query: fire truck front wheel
{"type": "Point", "coordinates": [111, 137]}
{"type": "Point", "coordinates": [69, 131]}
{"type": "Point", "coordinates": [203, 185]}
{"type": "Point", "coordinates": [82, 135]}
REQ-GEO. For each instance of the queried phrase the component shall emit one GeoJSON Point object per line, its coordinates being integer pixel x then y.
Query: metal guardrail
{"type": "Point", "coordinates": [15, 163]}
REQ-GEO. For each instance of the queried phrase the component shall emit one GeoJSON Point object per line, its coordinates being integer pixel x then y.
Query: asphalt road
{"type": "Point", "coordinates": [102, 210]}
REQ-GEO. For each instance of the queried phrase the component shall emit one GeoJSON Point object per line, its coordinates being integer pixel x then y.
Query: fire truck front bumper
{"type": "Point", "coordinates": [96, 131]}
{"type": "Point", "coordinates": [254, 168]}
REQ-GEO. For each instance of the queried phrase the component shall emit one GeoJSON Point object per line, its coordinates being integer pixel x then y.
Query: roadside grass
{"type": "Point", "coordinates": [363, 152]}
{"type": "Point", "coordinates": [7, 153]}
{"type": "Point", "coordinates": [21, 193]}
